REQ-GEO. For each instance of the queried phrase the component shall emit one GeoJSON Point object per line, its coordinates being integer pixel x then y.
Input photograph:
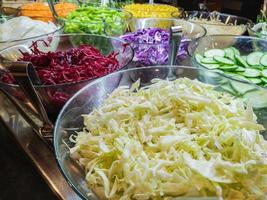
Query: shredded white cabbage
{"type": "Point", "coordinates": [172, 139]}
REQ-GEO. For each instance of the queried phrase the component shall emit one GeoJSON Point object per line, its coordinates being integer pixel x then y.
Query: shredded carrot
{"type": "Point", "coordinates": [41, 11]}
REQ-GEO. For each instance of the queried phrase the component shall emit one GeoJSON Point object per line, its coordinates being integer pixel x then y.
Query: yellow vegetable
{"type": "Point", "coordinates": [151, 10]}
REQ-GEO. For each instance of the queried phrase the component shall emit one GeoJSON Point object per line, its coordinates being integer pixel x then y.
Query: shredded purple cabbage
{"type": "Point", "coordinates": [151, 46]}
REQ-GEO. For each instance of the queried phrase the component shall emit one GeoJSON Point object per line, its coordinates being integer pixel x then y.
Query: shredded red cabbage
{"type": "Point", "coordinates": [73, 65]}
{"type": "Point", "coordinates": [151, 46]}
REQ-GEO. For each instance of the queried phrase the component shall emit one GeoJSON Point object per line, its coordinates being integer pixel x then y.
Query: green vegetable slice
{"type": "Point", "coordinates": [264, 73]}
{"type": "Point", "coordinates": [211, 66]}
{"type": "Point", "coordinates": [208, 61]}
{"type": "Point", "coordinates": [253, 59]}
{"type": "Point", "coordinates": [214, 52]}
{"type": "Point", "coordinates": [264, 79]}
{"type": "Point", "coordinates": [241, 61]}
{"type": "Point", "coordinates": [263, 60]}
{"type": "Point", "coordinates": [223, 60]}
{"type": "Point", "coordinates": [252, 73]}
{"type": "Point", "coordinates": [257, 98]}
{"type": "Point", "coordinates": [236, 51]}
{"type": "Point", "coordinates": [229, 67]}
{"type": "Point", "coordinates": [198, 58]}
{"type": "Point", "coordinates": [255, 80]}
{"type": "Point", "coordinates": [240, 69]}
{"type": "Point", "coordinates": [229, 53]}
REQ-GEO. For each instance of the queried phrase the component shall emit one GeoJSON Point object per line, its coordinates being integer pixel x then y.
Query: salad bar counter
{"type": "Point", "coordinates": [122, 100]}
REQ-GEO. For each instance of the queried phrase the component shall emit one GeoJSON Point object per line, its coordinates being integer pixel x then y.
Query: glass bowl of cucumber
{"type": "Point", "coordinates": [239, 58]}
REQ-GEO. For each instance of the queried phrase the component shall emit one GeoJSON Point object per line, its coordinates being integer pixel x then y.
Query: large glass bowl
{"type": "Point", "coordinates": [29, 40]}
{"type": "Point", "coordinates": [245, 45]}
{"type": "Point", "coordinates": [93, 95]}
{"type": "Point", "coordinates": [225, 23]}
{"type": "Point", "coordinates": [146, 53]}
{"type": "Point", "coordinates": [54, 96]}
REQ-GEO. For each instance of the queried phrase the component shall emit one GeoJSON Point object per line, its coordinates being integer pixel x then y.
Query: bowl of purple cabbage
{"type": "Point", "coordinates": [77, 60]}
{"type": "Point", "coordinates": [150, 40]}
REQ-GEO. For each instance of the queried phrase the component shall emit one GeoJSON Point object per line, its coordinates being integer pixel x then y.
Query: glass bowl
{"type": "Point", "coordinates": [94, 94]}
{"type": "Point", "coordinates": [255, 30]}
{"type": "Point", "coordinates": [227, 25]}
{"type": "Point", "coordinates": [152, 10]}
{"type": "Point", "coordinates": [8, 43]}
{"type": "Point", "coordinates": [114, 25]}
{"type": "Point", "coordinates": [244, 44]}
{"type": "Point", "coordinates": [54, 96]}
{"type": "Point", "coordinates": [147, 54]}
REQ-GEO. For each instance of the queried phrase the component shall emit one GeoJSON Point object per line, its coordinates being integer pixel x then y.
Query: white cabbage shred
{"type": "Point", "coordinates": [172, 139]}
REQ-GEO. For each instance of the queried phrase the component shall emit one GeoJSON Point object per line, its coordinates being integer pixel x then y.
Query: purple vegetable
{"type": "Point", "coordinates": [151, 46]}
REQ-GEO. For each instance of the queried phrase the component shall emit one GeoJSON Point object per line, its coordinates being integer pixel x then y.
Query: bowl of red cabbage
{"type": "Point", "coordinates": [150, 39]}
{"type": "Point", "coordinates": [67, 69]}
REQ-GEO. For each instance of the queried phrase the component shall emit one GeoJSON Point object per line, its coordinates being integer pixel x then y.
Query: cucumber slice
{"type": "Point", "coordinates": [211, 66]}
{"type": "Point", "coordinates": [253, 59]}
{"type": "Point", "coordinates": [198, 58]}
{"type": "Point", "coordinates": [236, 51]}
{"type": "Point", "coordinates": [251, 73]}
{"type": "Point", "coordinates": [263, 60]}
{"type": "Point", "coordinates": [258, 98]}
{"type": "Point", "coordinates": [240, 69]}
{"type": "Point", "coordinates": [244, 58]}
{"type": "Point", "coordinates": [223, 60]}
{"type": "Point", "coordinates": [229, 53]}
{"type": "Point", "coordinates": [228, 88]}
{"type": "Point", "coordinates": [214, 52]}
{"type": "Point", "coordinates": [241, 61]}
{"type": "Point", "coordinates": [264, 79]}
{"type": "Point", "coordinates": [228, 67]}
{"type": "Point", "coordinates": [255, 80]}
{"type": "Point", "coordinates": [264, 73]}
{"type": "Point", "coordinates": [208, 61]}
{"type": "Point", "coordinates": [242, 88]}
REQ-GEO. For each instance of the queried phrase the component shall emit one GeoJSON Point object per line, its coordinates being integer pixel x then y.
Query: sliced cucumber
{"type": "Point", "coordinates": [255, 80]}
{"type": "Point", "coordinates": [228, 88]}
{"type": "Point", "coordinates": [240, 69]}
{"type": "Point", "coordinates": [242, 88]}
{"type": "Point", "coordinates": [263, 60]}
{"type": "Point", "coordinates": [198, 58]}
{"type": "Point", "coordinates": [257, 98]}
{"type": "Point", "coordinates": [264, 73]}
{"type": "Point", "coordinates": [214, 52]}
{"type": "Point", "coordinates": [229, 53]}
{"type": "Point", "coordinates": [223, 60]}
{"type": "Point", "coordinates": [253, 59]}
{"type": "Point", "coordinates": [236, 51]}
{"type": "Point", "coordinates": [211, 66]}
{"type": "Point", "coordinates": [228, 67]}
{"type": "Point", "coordinates": [264, 80]}
{"type": "Point", "coordinates": [241, 61]}
{"type": "Point", "coordinates": [208, 61]}
{"type": "Point", "coordinates": [251, 73]}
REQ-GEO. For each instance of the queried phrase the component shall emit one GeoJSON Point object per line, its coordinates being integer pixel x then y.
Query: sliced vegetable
{"type": "Point", "coordinates": [209, 61]}
{"type": "Point", "coordinates": [263, 60]}
{"type": "Point", "coordinates": [241, 61]}
{"type": "Point", "coordinates": [251, 73]}
{"type": "Point", "coordinates": [229, 53]}
{"type": "Point", "coordinates": [264, 73]}
{"type": "Point", "coordinates": [223, 60]}
{"type": "Point", "coordinates": [214, 52]}
{"type": "Point", "coordinates": [253, 59]}
{"type": "Point", "coordinates": [211, 66]}
{"type": "Point", "coordinates": [257, 98]}
{"type": "Point", "coordinates": [229, 67]}
{"type": "Point", "coordinates": [255, 80]}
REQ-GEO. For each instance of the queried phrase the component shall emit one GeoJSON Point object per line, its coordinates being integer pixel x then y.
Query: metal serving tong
{"type": "Point", "coordinates": [26, 76]}
{"type": "Point", "coordinates": [176, 33]}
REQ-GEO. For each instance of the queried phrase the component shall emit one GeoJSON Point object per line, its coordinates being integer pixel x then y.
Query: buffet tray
{"type": "Point", "coordinates": [39, 153]}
